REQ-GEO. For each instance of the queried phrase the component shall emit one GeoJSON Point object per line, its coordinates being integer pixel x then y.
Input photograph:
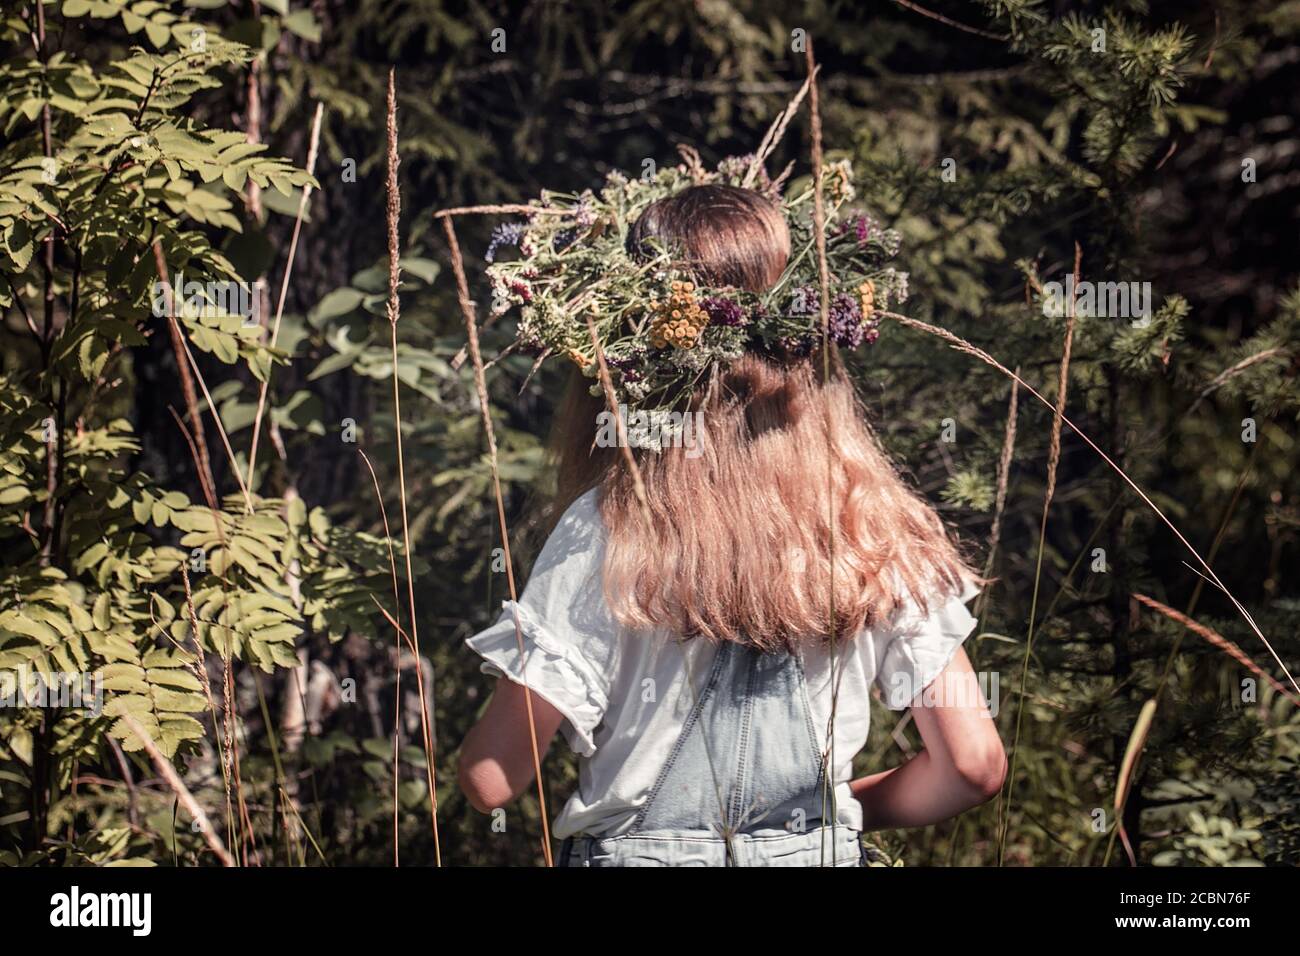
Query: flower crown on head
{"type": "Point", "coordinates": [661, 332]}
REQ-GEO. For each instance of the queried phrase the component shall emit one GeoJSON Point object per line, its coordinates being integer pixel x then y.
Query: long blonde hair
{"type": "Point", "coordinates": [784, 521]}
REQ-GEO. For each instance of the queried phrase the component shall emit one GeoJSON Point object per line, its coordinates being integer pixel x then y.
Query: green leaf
{"type": "Point", "coordinates": [158, 33]}
{"type": "Point", "coordinates": [100, 613]}
{"type": "Point", "coordinates": [424, 269]}
{"type": "Point", "coordinates": [285, 204]}
{"type": "Point", "coordinates": [338, 303]}
{"type": "Point", "coordinates": [335, 362]}
{"type": "Point", "coordinates": [303, 24]}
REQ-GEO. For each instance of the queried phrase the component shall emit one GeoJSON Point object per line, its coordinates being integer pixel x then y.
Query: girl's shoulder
{"type": "Point", "coordinates": [906, 653]}
{"type": "Point", "coordinates": [577, 542]}
{"type": "Point", "coordinates": [912, 613]}
{"type": "Point", "coordinates": [581, 519]}
{"type": "Point", "coordinates": [569, 642]}
{"type": "Point", "coordinates": [566, 578]}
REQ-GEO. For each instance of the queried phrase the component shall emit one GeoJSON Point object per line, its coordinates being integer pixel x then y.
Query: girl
{"type": "Point", "coordinates": [711, 659]}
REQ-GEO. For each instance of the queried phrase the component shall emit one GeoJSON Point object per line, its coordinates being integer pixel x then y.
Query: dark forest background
{"type": "Point", "coordinates": [1161, 138]}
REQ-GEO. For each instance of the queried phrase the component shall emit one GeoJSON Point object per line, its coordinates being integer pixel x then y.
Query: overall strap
{"type": "Point", "coordinates": [746, 758]}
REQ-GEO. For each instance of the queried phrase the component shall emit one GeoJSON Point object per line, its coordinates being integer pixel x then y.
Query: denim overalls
{"type": "Point", "coordinates": [743, 784]}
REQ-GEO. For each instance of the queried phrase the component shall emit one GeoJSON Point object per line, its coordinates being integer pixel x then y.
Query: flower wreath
{"type": "Point", "coordinates": [662, 333]}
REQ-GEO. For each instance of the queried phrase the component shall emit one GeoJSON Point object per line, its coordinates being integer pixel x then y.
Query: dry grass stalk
{"type": "Point", "coordinates": [1004, 477]}
{"type": "Point", "coordinates": [287, 801]}
{"type": "Point", "coordinates": [819, 207]}
{"type": "Point", "coordinates": [776, 131]}
{"type": "Point", "coordinates": [501, 209]}
{"type": "Point", "coordinates": [393, 212]}
{"type": "Point", "coordinates": [638, 486]}
{"type": "Point", "coordinates": [612, 403]}
{"type": "Point", "coordinates": [401, 636]}
{"type": "Point", "coordinates": [284, 286]}
{"type": "Point", "coordinates": [169, 774]}
{"type": "Point", "coordinates": [1219, 535]}
{"type": "Point", "coordinates": [823, 282]}
{"type": "Point", "coordinates": [1232, 372]}
{"type": "Point", "coordinates": [1062, 386]}
{"type": "Point", "coordinates": [1222, 643]}
{"type": "Point", "coordinates": [183, 366]}
{"type": "Point", "coordinates": [397, 608]}
{"type": "Point", "coordinates": [1136, 742]}
{"type": "Point", "coordinates": [1053, 461]}
{"type": "Point", "coordinates": [961, 345]}
{"type": "Point", "coordinates": [480, 389]}
{"type": "Point", "coordinates": [946, 21]}
{"type": "Point", "coordinates": [191, 401]}
{"type": "Point", "coordinates": [230, 768]}
{"type": "Point", "coordinates": [201, 672]}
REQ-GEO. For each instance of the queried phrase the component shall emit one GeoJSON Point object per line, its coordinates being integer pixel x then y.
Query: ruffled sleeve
{"type": "Point", "coordinates": [569, 640]}
{"type": "Point", "coordinates": [917, 647]}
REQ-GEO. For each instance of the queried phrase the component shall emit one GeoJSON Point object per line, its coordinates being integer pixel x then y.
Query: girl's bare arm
{"type": "Point", "coordinates": [962, 766]}
{"type": "Point", "coordinates": [496, 759]}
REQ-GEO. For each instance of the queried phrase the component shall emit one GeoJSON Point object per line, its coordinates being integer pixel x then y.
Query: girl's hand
{"type": "Point", "coordinates": [962, 766]}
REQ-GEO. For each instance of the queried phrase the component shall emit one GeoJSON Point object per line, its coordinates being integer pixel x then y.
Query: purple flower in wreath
{"type": "Point", "coordinates": [844, 321]}
{"type": "Point", "coordinates": [724, 312]}
{"type": "Point", "coordinates": [627, 365]}
{"type": "Point", "coordinates": [506, 234]}
{"type": "Point", "coordinates": [862, 227]}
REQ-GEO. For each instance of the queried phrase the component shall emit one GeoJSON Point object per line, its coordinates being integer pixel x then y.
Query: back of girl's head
{"type": "Point", "coordinates": [724, 235]}
{"type": "Point", "coordinates": [783, 521]}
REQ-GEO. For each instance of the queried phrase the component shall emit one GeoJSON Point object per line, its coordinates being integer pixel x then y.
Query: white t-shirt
{"type": "Point", "coordinates": [624, 693]}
